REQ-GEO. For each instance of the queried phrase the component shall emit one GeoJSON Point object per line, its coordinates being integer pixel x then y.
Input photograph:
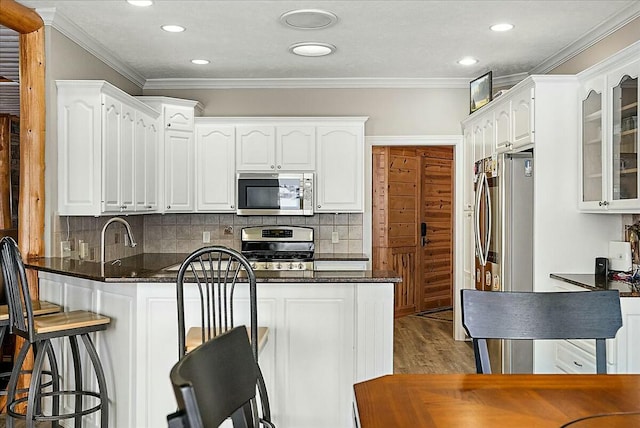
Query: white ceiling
{"type": "Point", "coordinates": [390, 42]}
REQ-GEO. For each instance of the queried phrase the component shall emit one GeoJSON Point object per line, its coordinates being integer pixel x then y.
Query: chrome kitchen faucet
{"type": "Point", "coordinates": [132, 242]}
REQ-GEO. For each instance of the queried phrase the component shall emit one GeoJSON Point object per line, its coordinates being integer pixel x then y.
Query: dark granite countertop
{"type": "Point", "coordinates": [152, 267]}
{"type": "Point", "coordinates": [588, 281]}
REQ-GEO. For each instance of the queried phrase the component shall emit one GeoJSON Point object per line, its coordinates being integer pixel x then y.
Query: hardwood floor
{"type": "Point", "coordinates": [426, 345]}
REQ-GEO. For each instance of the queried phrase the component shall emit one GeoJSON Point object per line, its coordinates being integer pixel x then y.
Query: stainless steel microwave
{"type": "Point", "coordinates": [275, 194]}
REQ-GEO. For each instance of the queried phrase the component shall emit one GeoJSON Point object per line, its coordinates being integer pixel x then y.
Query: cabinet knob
{"type": "Point", "coordinates": [600, 203]}
{"type": "Point", "coordinates": [279, 166]}
{"type": "Point", "coordinates": [232, 206]}
{"type": "Point", "coordinates": [149, 207]}
{"type": "Point", "coordinates": [319, 206]}
{"type": "Point", "coordinates": [168, 125]}
{"type": "Point", "coordinates": [605, 203]}
{"type": "Point", "coordinates": [168, 207]}
{"type": "Point", "coordinates": [273, 167]}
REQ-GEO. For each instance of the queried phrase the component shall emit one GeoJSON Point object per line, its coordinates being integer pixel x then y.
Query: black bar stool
{"type": "Point", "coordinates": [38, 332]}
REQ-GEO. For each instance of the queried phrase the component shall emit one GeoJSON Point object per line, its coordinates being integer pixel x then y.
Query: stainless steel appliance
{"type": "Point", "coordinates": [517, 262]}
{"type": "Point", "coordinates": [504, 243]}
{"type": "Point", "coordinates": [275, 194]}
{"type": "Point", "coordinates": [278, 247]}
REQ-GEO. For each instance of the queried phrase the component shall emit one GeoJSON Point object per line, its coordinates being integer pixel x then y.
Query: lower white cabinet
{"type": "Point", "coordinates": [579, 356]}
{"type": "Point", "coordinates": [322, 339]}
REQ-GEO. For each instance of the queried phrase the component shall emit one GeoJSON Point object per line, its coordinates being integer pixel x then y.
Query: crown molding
{"type": "Point", "coordinates": [87, 42]}
{"type": "Point", "coordinates": [321, 83]}
{"type": "Point", "coordinates": [598, 33]}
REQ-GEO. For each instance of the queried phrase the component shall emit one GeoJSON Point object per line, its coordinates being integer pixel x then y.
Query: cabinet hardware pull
{"type": "Point", "coordinates": [149, 206]}
{"type": "Point", "coordinates": [272, 166]}
{"type": "Point", "coordinates": [319, 206]}
{"type": "Point", "coordinates": [279, 166]}
{"type": "Point", "coordinates": [232, 207]}
{"type": "Point", "coordinates": [168, 207]}
{"type": "Point", "coordinates": [577, 364]}
{"type": "Point", "coordinates": [600, 203]}
{"type": "Point", "coordinates": [168, 125]}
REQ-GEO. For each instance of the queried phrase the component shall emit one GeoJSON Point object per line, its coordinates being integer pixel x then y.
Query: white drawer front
{"type": "Point", "coordinates": [571, 359]}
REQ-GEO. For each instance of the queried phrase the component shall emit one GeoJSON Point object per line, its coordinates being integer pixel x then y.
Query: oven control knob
{"type": "Point", "coordinates": [300, 266]}
{"type": "Point", "coordinates": [254, 265]}
{"type": "Point", "coordinates": [267, 266]}
{"type": "Point", "coordinates": [278, 266]}
{"type": "Point", "coordinates": [290, 265]}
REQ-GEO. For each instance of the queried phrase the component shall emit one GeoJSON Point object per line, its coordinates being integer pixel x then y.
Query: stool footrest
{"type": "Point", "coordinates": [11, 408]}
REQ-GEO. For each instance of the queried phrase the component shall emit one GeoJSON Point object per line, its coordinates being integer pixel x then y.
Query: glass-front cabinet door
{"type": "Point", "coordinates": [593, 187]}
{"type": "Point", "coordinates": [624, 141]}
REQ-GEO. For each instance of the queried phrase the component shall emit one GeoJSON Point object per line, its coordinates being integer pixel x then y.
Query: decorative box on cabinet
{"type": "Point", "coordinates": [215, 166]}
{"type": "Point", "coordinates": [609, 150]}
{"type": "Point", "coordinates": [340, 167]}
{"type": "Point", "coordinates": [99, 159]}
{"type": "Point", "coordinates": [178, 154]}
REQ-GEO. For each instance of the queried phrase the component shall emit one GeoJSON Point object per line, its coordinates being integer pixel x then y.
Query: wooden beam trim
{"type": "Point", "coordinates": [18, 17]}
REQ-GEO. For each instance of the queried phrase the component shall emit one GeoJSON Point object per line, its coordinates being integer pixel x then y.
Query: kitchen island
{"type": "Point", "coordinates": [327, 331]}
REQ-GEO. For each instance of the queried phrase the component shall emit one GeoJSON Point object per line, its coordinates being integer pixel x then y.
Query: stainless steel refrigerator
{"type": "Point", "coordinates": [517, 261]}
{"type": "Point", "coordinates": [503, 230]}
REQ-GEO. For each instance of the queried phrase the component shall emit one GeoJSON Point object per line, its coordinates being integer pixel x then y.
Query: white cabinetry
{"type": "Point", "coordinates": [146, 154]}
{"type": "Point", "coordinates": [522, 117]}
{"type": "Point", "coordinates": [329, 335]}
{"type": "Point", "coordinates": [275, 147]}
{"type": "Point", "coordinates": [339, 161]}
{"type": "Point", "coordinates": [178, 154]}
{"type": "Point", "coordinates": [215, 166]}
{"type": "Point", "coordinates": [610, 142]}
{"type": "Point", "coordinates": [98, 156]}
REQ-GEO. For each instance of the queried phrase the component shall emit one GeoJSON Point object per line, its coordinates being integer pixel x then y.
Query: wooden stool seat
{"type": "Point", "coordinates": [40, 307]}
{"type": "Point", "coordinates": [194, 337]}
{"type": "Point", "coordinates": [68, 321]}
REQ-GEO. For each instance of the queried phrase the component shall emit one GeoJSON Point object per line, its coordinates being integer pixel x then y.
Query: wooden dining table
{"type": "Point", "coordinates": [473, 400]}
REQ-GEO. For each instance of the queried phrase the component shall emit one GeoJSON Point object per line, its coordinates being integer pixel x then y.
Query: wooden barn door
{"type": "Point", "coordinates": [436, 221]}
{"type": "Point", "coordinates": [400, 176]}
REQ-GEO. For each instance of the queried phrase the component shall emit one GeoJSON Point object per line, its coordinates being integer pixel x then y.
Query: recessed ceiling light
{"type": "Point", "coordinates": [308, 19]}
{"type": "Point", "coordinates": [468, 61]}
{"type": "Point", "coordinates": [312, 49]}
{"type": "Point", "coordinates": [200, 61]}
{"type": "Point", "coordinates": [140, 3]}
{"type": "Point", "coordinates": [173, 28]}
{"type": "Point", "coordinates": [502, 27]}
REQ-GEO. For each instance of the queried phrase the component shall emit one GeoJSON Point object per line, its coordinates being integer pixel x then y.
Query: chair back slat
{"type": "Point", "coordinates": [17, 289]}
{"type": "Point", "coordinates": [522, 315]}
{"type": "Point", "coordinates": [217, 380]}
{"type": "Point", "coordinates": [215, 270]}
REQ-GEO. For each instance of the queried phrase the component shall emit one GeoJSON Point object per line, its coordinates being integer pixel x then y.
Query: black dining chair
{"type": "Point", "coordinates": [215, 381]}
{"type": "Point", "coordinates": [215, 272]}
{"type": "Point", "coordinates": [526, 315]}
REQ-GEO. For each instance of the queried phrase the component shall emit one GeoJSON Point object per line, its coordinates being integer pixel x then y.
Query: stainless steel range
{"type": "Point", "coordinates": [278, 247]}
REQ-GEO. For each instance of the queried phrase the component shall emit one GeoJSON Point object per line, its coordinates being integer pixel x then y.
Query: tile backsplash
{"type": "Point", "coordinates": [183, 233]}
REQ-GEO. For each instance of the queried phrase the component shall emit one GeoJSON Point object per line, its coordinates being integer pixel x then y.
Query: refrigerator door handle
{"type": "Point", "coordinates": [489, 220]}
{"type": "Point", "coordinates": [476, 223]}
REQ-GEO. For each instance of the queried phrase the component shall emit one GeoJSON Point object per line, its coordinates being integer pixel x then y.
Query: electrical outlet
{"type": "Point", "coordinates": [206, 237]}
{"type": "Point", "coordinates": [65, 248]}
{"type": "Point", "coordinates": [228, 230]}
{"type": "Point", "coordinates": [335, 238]}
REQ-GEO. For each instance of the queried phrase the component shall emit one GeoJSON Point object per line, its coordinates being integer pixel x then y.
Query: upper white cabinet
{"type": "Point", "coordinates": [146, 153]}
{"type": "Point", "coordinates": [340, 168]}
{"type": "Point", "coordinates": [215, 166]}
{"type": "Point", "coordinates": [275, 147]}
{"type": "Point", "coordinates": [256, 148]}
{"type": "Point", "coordinates": [522, 117]}
{"type": "Point", "coordinates": [296, 148]}
{"type": "Point", "coordinates": [468, 173]}
{"type": "Point", "coordinates": [609, 150]}
{"type": "Point", "coordinates": [99, 159]}
{"type": "Point", "coordinates": [178, 153]}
